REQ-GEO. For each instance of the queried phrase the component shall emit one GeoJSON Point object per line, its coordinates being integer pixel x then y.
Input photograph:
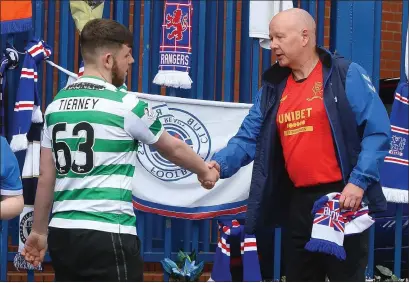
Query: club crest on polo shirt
{"type": "Point", "coordinates": [317, 91]}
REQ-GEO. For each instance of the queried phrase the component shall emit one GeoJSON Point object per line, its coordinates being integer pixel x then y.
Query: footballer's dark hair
{"type": "Point", "coordinates": [103, 33]}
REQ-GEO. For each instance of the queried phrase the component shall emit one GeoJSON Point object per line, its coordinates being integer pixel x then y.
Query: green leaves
{"type": "Point", "coordinates": [384, 274]}
{"type": "Point", "coordinates": [185, 268]}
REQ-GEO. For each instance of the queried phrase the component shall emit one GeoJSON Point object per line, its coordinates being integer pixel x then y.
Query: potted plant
{"type": "Point", "coordinates": [184, 269]}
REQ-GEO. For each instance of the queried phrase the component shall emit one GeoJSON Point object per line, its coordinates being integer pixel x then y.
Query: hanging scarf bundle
{"type": "Point", "coordinates": [27, 107]}
{"type": "Point", "coordinates": [15, 16]}
{"type": "Point", "coordinates": [331, 224]}
{"type": "Point", "coordinates": [9, 61]}
{"type": "Point", "coordinates": [221, 266]}
{"type": "Point", "coordinates": [30, 173]}
{"type": "Point", "coordinates": [176, 45]}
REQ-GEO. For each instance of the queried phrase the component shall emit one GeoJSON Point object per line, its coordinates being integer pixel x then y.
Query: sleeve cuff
{"type": "Point", "coordinates": [360, 180]}
{"type": "Point", "coordinates": [4, 192]}
{"type": "Point", "coordinates": [156, 138]}
{"type": "Point", "coordinates": [223, 167]}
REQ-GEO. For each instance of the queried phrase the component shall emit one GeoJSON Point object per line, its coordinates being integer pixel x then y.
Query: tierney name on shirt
{"type": "Point", "coordinates": [78, 103]}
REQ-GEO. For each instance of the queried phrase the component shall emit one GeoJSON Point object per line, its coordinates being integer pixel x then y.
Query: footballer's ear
{"type": "Point", "coordinates": [108, 60]}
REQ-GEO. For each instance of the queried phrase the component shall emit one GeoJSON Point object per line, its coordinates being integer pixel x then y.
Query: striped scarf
{"type": "Point", "coordinates": [221, 266]}
{"type": "Point", "coordinates": [331, 224]}
{"type": "Point", "coordinates": [394, 173]}
{"type": "Point", "coordinates": [9, 61]}
{"type": "Point", "coordinates": [27, 107]}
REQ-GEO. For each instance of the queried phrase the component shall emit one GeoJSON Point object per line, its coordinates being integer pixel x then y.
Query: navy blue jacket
{"type": "Point", "coordinates": [360, 128]}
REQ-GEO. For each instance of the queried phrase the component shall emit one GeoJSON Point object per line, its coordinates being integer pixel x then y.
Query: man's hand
{"type": "Point", "coordinates": [35, 248]}
{"type": "Point", "coordinates": [214, 164]}
{"type": "Point", "coordinates": [351, 197]}
{"type": "Point", "coordinates": [209, 179]}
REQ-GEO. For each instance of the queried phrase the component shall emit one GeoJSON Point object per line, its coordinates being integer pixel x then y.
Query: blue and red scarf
{"type": "Point", "coordinates": [394, 173]}
{"type": "Point", "coordinates": [176, 45]}
{"type": "Point", "coordinates": [221, 265]}
{"type": "Point", "coordinates": [27, 107]}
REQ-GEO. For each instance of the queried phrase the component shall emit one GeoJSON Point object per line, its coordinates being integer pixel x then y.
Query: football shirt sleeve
{"type": "Point", "coordinates": [10, 181]}
{"type": "Point", "coordinates": [141, 121]}
{"type": "Point", "coordinates": [45, 137]}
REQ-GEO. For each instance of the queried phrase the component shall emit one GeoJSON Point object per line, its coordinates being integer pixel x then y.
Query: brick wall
{"type": "Point", "coordinates": [391, 38]}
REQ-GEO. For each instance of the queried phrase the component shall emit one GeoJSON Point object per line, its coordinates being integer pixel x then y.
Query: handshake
{"type": "Point", "coordinates": [209, 178]}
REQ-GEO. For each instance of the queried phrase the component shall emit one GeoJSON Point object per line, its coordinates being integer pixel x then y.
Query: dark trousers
{"type": "Point", "coordinates": [302, 265]}
{"type": "Point", "coordinates": [89, 255]}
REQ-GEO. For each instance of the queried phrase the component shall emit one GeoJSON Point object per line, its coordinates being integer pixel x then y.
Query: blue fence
{"type": "Point", "coordinates": [355, 33]}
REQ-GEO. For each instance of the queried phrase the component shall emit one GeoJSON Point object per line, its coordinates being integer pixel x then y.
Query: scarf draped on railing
{"type": "Point", "coordinates": [27, 107]}
{"type": "Point", "coordinates": [394, 173]}
{"type": "Point", "coordinates": [221, 265]}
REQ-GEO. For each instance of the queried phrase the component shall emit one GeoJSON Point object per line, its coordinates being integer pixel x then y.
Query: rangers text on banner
{"type": "Point", "coordinates": [176, 46]}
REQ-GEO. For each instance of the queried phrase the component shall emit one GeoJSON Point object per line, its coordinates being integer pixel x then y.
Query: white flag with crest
{"type": "Point", "coordinates": [163, 188]}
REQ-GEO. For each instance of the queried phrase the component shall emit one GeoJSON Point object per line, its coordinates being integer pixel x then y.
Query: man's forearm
{"type": "Point", "coordinates": [42, 207]}
{"type": "Point", "coordinates": [185, 157]}
{"type": "Point", "coordinates": [11, 206]}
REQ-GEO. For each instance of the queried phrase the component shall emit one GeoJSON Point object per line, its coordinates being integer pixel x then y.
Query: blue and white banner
{"type": "Point", "coordinates": [163, 188]}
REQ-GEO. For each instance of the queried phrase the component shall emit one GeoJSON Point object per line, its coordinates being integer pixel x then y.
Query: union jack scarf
{"type": "Point", "coordinates": [394, 173]}
{"type": "Point", "coordinates": [9, 61]}
{"type": "Point", "coordinates": [221, 266]}
{"type": "Point", "coordinates": [331, 224]}
{"type": "Point", "coordinates": [176, 45]}
{"type": "Point", "coordinates": [27, 107]}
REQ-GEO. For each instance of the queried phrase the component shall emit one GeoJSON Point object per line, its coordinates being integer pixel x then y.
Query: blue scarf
{"type": "Point", "coordinates": [394, 173]}
{"type": "Point", "coordinates": [221, 266]}
{"type": "Point", "coordinates": [9, 61]}
{"type": "Point", "coordinates": [27, 107]}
